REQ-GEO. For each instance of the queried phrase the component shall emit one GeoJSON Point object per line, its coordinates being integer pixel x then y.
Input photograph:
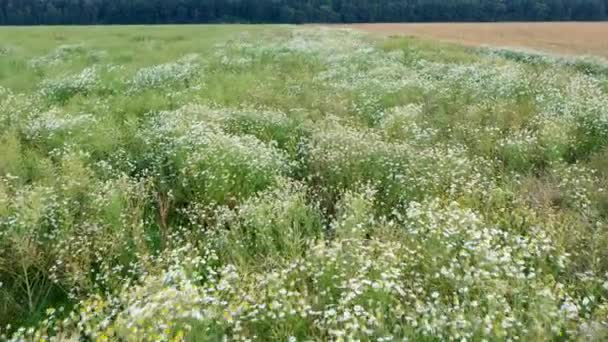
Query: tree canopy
{"type": "Point", "coordinates": [39, 12]}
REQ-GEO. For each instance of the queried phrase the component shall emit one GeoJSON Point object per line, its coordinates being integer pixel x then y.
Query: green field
{"type": "Point", "coordinates": [210, 183]}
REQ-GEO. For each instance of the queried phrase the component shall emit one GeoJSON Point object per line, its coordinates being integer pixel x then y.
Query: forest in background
{"type": "Point", "coordinates": [73, 12]}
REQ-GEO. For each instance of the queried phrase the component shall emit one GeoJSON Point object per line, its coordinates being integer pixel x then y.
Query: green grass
{"type": "Point", "coordinates": [129, 46]}
{"type": "Point", "coordinates": [280, 183]}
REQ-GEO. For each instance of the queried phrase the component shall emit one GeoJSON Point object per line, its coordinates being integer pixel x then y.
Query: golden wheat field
{"type": "Point", "coordinates": [562, 38]}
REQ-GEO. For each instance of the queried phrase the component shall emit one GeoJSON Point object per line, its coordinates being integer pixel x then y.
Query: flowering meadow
{"type": "Point", "coordinates": [252, 183]}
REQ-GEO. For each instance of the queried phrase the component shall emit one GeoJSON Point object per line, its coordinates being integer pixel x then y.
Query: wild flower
{"type": "Point", "coordinates": [52, 123]}
{"type": "Point", "coordinates": [208, 163]}
{"type": "Point", "coordinates": [341, 191]}
{"type": "Point", "coordinates": [180, 72]}
{"type": "Point", "coordinates": [63, 88]}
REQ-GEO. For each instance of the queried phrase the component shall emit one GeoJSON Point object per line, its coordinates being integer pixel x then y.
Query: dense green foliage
{"type": "Point", "coordinates": [203, 183]}
{"type": "Point", "coordinates": [36, 12]}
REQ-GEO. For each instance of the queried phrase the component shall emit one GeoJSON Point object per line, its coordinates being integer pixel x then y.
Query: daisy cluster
{"type": "Point", "coordinates": [306, 185]}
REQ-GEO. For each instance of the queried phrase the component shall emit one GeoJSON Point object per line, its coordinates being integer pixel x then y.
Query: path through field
{"type": "Point", "coordinates": [563, 38]}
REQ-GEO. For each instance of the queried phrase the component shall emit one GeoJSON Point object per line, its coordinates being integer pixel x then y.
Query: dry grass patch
{"type": "Point", "coordinates": [564, 38]}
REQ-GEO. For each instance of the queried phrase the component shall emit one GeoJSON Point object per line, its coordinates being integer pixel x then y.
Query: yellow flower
{"type": "Point", "coordinates": [228, 316]}
{"type": "Point", "coordinates": [179, 336]}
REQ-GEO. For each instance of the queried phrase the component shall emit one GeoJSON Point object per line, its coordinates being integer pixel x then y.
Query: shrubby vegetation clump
{"type": "Point", "coordinates": [63, 88]}
{"type": "Point", "coordinates": [301, 184]}
{"type": "Point", "coordinates": [169, 74]}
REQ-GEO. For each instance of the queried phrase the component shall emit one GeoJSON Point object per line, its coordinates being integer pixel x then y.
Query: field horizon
{"type": "Point", "coordinates": [568, 38]}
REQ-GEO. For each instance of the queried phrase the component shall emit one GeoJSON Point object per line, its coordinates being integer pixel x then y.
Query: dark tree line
{"type": "Point", "coordinates": [34, 12]}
